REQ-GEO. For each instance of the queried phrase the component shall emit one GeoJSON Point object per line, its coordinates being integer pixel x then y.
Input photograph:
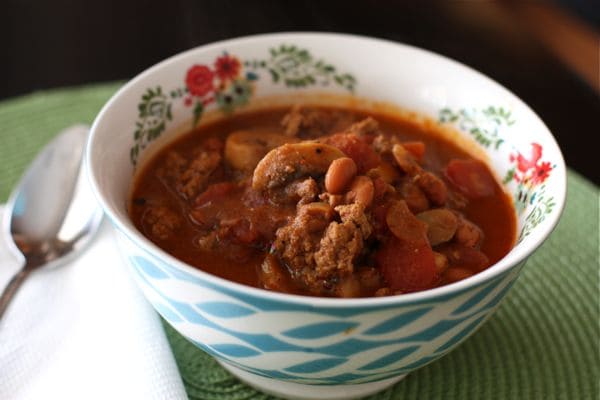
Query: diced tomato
{"type": "Point", "coordinates": [380, 189]}
{"type": "Point", "coordinates": [417, 149]}
{"type": "Point", "coordinates": [407, 266]}
{"type": "Point", "coordinates": [357, 148]}
{"type": "Point", "coordinates": [471, 177]}
{"type": "Point", "coordinates": [215, 192]}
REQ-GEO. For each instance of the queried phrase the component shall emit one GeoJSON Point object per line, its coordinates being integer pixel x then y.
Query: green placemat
{"type": "Point", "coordinates": [542, 343]}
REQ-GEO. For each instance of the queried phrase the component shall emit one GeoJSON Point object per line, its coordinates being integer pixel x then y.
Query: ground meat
{"type": "Point", "coordinates": [342, 242]}
{"type": "Point", "coordinates": [302, 192]}
{"type": "Point", "coordinates": [320, 253]}
{"type": "Point", "coordinates": [310, 123]}
{"type": "Point", "coordinates": [383, 144]}
{"type": "Point", "coordinates": [173, 167]}
{"type": "Point", "coordinates": [160, 222]}
{"type": "Point", "coordinates": [367, 126]}
{"type": "Point", "coordinates": [189, 178]}
{"type": "Point", "coordinates": [333, 200]}
{"type": "Point", "coordinates": [297, 192]}
{"type": "Point", "coordinates": [207, 242]}
{"type": "Point", "coordinates": [193, 180]}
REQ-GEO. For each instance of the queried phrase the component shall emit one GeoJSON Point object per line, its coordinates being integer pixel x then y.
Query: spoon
{"type": "Point", "coordinates": [51, 214]}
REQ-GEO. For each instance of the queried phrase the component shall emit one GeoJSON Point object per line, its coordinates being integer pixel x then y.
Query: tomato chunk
{"type": "Point", "coordinates": [471, 177]}
{"type": "Point", "coordinates": [407, 266]}
{"type": "Point", "coordinates": [357, 148]}
{"type": "Point", "coordinates": [215, 192]}
{"type": "Point", "coordinates": [417, 149]}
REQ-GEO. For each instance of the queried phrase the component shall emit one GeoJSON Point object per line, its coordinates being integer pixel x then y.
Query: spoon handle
{"type": "Point", "coordinates": [13, 286]}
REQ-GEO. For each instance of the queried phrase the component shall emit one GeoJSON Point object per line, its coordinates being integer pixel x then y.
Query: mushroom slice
{"type": "Point", "coordinates": [292, 161]}
{"type": "Point", "coordinates": [244, 149]}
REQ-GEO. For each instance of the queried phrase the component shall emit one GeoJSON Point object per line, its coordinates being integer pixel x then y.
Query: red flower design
{"type": "Point", "coordinates": [542, 171]}
{"type": "Point", "coordinates": [199, 80]}
{"type": "Point", "coordinates": [524, 164]}
{"type": "Point", "coordinates": [227, 67]}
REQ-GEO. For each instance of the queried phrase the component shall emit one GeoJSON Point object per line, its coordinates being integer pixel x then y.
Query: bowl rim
{"type": "Point", "coordinates": [496, 270]}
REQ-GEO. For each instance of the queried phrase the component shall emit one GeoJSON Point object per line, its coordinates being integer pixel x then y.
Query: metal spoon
{"type": "Point", "coordinates": [51, 214]}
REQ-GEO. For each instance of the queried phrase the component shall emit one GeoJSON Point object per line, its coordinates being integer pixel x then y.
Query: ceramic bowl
{"type": "Point", "coordinates": [306, 347]}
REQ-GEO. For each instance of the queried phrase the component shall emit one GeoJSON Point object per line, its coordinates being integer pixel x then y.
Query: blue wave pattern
{"type": "Point", "coordinates": [306, 344]}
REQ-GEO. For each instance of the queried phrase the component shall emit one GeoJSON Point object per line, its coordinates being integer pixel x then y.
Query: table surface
{"type": "Point", "coordinates": [62, 42]}
{"type": "Point", "coordinates": [542, 343]}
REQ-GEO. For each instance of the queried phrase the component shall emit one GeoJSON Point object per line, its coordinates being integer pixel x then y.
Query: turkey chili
{"type": "Point", "coordinates": [324, 202]}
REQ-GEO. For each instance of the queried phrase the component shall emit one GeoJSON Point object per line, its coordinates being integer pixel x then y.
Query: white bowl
{"type": "Point", "coordinates": [306, 347]}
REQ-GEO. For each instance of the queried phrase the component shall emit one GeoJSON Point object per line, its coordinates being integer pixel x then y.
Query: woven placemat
{"type": "Point", "coordinates": [542, 343]}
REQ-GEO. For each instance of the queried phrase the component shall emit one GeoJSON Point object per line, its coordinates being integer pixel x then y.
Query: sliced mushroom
{"type": "Point", "coordinates": [441, 225]}
{"type": "Point", "coordinates": [244, 149]}
{"type": "Point", "coordinates": [404, 225]}
{"type": "Point", "coordinates": [292, 161]}
{"type": "Point", "coordinates": [405, 160]}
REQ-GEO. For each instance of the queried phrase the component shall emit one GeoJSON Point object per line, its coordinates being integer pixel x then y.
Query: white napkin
{"type": "Point", "coordinates": [83, 331]}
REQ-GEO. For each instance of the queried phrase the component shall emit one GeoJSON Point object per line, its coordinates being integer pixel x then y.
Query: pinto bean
{"type": "Point", "coordinates": [339, 175]}
{"type": "Point", "coordinates": [384, 291]}
{"type": "Point", "coordinates": [387, 172]}
{"type": "Point", "coordinates": [441, 262]}
{"type": "Point", "coordinates": [349, 286]}
{"type": "Point", "coordinates": [465, 257]}
{"type": "Point", "coordinates": [361, 191]}
{"type": "Point", "coordinates": [320, 215]}
{"type": "Point", "coordinates": [370, 278]}
{"type": "Point", "coordinates": [468, 234]}
{"type": "Point", "coordinates": [434, 188]}
{"type": "Point", "coordinates": [455, 274]}
{"type": "Point", "coordinates": [414, 197]}
{"type": "Point", "coordinates": [441, 225]}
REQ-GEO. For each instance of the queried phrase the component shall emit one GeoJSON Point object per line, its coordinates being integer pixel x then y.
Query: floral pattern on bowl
{"type": "Point", "coordinates": [230, 84]}
{"type": "Point", "coordinates": [526, 178]}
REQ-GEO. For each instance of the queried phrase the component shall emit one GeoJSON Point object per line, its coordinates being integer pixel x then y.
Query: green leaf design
{"type": "Point", "coordinates": [154, 110]}
{"type": "Point", "coordinates": [198, 109]}
{"type": "Point", "coordinates": [274, 75]}
{"type": "Point", "coordinates": [536, 216]}
{"type": "Point", "coordinates": [484, 125]}
{"type": "Point", "coordinates": [297, 68]}
{"type": "Point", "coordinates": [510, 174]}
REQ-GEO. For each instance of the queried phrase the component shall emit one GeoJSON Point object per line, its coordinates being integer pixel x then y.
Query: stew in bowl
{"type": "Point", "coordinates": [324, 201]}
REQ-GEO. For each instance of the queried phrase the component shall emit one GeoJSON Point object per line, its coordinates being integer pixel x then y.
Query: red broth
{"type": "Point", "coordinates": [324, 201]}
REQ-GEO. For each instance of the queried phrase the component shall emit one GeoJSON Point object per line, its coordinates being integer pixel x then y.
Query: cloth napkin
{"type": "Point", "coordinates": [83, 331]}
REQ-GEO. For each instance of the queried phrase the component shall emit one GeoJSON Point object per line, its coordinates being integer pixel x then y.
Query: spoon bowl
{"type": "Point", "coordinates": [51, 214]}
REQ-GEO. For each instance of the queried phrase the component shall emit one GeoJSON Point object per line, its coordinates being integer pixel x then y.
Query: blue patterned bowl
{"type": "Point", "coordinates": [309, 347]}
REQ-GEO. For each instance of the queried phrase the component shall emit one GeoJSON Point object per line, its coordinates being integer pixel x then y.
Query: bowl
{"type": "Point", "coordinates": [306, 347]}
